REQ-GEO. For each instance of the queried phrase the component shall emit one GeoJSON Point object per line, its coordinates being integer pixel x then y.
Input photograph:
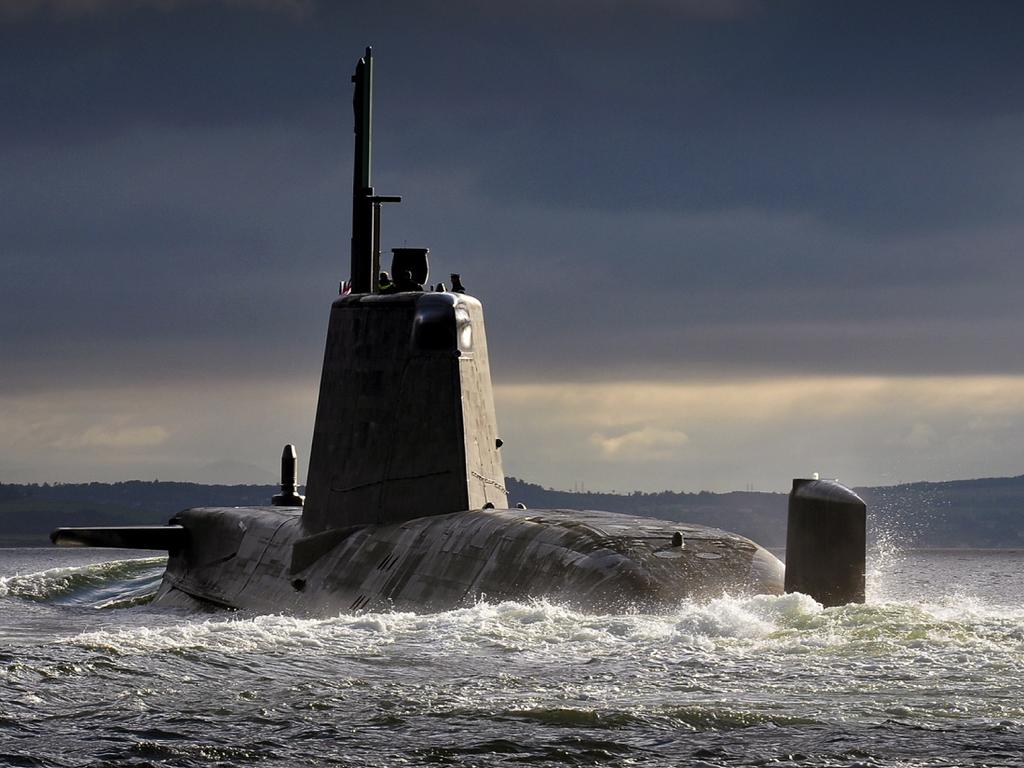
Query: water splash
{"type": "Point", "coordinates": [786, 624]}
{"type": "Point", "coordinates": [737, 680]}
{"type": "Point", "coordinates": [108, 584]}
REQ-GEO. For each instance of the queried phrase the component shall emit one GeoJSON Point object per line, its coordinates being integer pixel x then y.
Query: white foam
{"type": "Point", "coordinates": [52, 582]}
{"type": "Point", "coordinates": [737, 626]}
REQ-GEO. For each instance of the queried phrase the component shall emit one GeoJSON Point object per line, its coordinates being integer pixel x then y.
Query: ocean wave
{"type": "Point", "coordinates": [107, 584]}
{"type": "Point", "coordinates": [933, 679]}
{"type": "Point", "coordinates": [788, 624]}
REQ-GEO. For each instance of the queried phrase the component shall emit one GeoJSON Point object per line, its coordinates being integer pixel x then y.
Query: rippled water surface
{"type": "Point", "coordinates": [929, 672]}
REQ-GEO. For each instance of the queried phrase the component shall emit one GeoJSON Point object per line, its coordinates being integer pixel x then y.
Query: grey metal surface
{"type": "Point", "coordinates": [826, 542]}
{"type": "Point", "coordinates": [363, 272]}
{"type": "Point", "coordinates": [289, 495]}
{"type": "Point", "coordinates": [261, 558]}
{"type": "Point", "coordinates": [405, 424]}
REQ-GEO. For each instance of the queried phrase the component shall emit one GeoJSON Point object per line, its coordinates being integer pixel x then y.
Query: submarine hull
{"type": "Point", "coordinates": [262, 559]}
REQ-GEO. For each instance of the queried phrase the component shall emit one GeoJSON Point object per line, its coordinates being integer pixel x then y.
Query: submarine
{"type": "Point", "coordinates": [405, 504]}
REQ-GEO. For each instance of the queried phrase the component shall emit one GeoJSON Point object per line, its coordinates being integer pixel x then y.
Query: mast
{"type": "Point", "coordinates": [365, 205]}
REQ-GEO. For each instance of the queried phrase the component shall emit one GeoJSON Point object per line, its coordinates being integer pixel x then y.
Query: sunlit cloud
{"type": "Point", "coordinates": [921, 435]}
{"type": "Point", "coordinates": [208, 431]}
{"type": "Point", "coordinates": [646, 443]}
{"type": "Point", "coordinates": [766, 400]}
{"type": "Point", "coordinates": [726, 434]}
{"type": "Point", "coordinates": [99, 436]}
{"type": "Point", "coordinates": [643, 435]}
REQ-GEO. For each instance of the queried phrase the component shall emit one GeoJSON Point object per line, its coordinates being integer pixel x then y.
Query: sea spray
{"type": "Point", "coordinates": [931, 678]}
{"type": "Point", "coordinates": [54, 583]}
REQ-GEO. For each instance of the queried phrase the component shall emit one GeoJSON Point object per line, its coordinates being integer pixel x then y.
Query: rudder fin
{"type": "Point", "coordinates": [165, 537]}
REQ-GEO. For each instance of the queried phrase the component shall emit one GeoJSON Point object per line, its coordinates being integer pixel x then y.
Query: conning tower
{"type": "Point", "coordinates": [405, 423]}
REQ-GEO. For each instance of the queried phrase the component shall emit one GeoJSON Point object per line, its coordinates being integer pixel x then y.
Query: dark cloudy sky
{"type": "Point", "coordinates": [719, 243]}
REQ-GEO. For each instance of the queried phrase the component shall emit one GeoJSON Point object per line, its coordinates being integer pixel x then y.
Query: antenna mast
{"type": "Point", "coordinates": [365, 204]}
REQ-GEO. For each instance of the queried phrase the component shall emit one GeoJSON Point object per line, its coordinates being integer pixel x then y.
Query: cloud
{"type": "Point", "coordinates": [13, 10]}
{"type": "Point", "coordinates": [645, 444]}
{"type": "Point", "coordinates": [727, 433]}
{"type": "Point", "coordinates": [921, 435]}
{"type": "Point", "coordinates": [726, 229]}
{"type": "Point", "coordinates": [171, 430]}
{"type": "Point", "coordinates": [765, 400]}
{"type": "Point", "coordinates": [109, 436]}
{"type": "Point", "coordinates": [712, 10]}
{"type": "Point", "coordinates": [719, 434]}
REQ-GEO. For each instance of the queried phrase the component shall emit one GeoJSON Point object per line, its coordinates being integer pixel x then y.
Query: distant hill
{"type": "Point", "coordinates": [987, 512]}
{"type": "Point", "coordinates": [982, 513]}
{"type": "Point", "coordinates": [961, 513]}
{"type": "Point", "coordinates": [29, 512]}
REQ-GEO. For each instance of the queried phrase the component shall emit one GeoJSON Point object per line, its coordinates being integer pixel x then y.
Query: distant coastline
{"type": "Point", "coordinates": [986, 513]}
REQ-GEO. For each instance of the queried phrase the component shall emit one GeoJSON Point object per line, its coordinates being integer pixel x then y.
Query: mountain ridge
{"type": "Point", "coordinates": [976, 513]}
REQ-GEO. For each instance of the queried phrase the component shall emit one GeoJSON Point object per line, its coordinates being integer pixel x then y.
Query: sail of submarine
{"type": "Point", "coordinates": [405, 505]}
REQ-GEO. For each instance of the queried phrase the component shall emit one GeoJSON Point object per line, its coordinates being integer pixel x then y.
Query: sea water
{"type": "Point", "coordinates": [929, 672]}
